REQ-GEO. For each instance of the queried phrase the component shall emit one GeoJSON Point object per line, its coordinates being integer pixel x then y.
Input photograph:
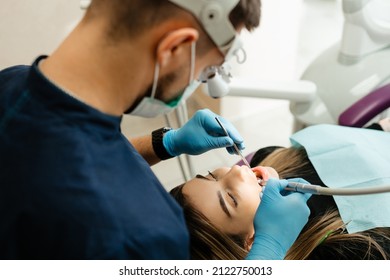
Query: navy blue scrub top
{"type": "Point", "coordinates": [71, 185]}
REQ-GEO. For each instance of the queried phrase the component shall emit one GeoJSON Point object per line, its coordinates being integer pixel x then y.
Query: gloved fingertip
{"type": "Point", "coordinates": [240, 146]}
{"type": "Point", "coordinates": [307, 196]}
{"type": "Point", "coordinates": [208, 111]}
{"type": "Point", "coordinates": [236, 137]}
{"type": "Point", "coordinates": [230, 150]}
{"type": "Point", "coordinates": [225, 142]}
{"type": "Point", "coordinates": [277, 184]}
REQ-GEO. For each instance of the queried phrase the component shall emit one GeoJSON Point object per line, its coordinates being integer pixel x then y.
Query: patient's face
{"type": "Point", "coordinates": [229, 200]}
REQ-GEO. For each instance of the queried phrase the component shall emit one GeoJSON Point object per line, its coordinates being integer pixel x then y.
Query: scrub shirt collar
{"type": "Point", "coordinates": [68, 106]}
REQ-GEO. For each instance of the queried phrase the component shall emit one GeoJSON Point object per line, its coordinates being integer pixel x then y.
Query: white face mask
{"type": "Point", "coordinates": [149, 107]}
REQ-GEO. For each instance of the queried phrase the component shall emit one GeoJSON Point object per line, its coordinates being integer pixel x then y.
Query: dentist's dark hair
{"type": "Point", "coordinates": [128, 18]}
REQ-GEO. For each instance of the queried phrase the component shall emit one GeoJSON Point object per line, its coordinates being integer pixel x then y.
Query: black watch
{"type": "Point", "coordinates": [157, 142]}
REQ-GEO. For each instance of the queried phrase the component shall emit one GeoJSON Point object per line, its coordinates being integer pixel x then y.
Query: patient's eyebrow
{"type": "Point", "coordinates": [223, 204]}
{"type": "Point", "coordinates": [220, 198]}
{"type": "Point", "coordinates": [202, 177]}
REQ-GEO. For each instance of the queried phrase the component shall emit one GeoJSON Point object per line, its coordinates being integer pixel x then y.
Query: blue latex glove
{"type": "Point", "coordinates": [278, 221]}
{"type": "Point", "coordinates": [201, 134]}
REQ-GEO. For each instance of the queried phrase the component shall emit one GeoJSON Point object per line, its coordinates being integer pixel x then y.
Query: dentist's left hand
{"type": "Point", "coordinates": [279, 220]}
{"type": "Point", "coordinates": [201, 134]}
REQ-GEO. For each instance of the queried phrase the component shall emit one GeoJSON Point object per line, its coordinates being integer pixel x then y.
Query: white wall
{"type": "Point", "coordinates": [291, 34]}
{"type": "Point", "coordinates": [29, 28]}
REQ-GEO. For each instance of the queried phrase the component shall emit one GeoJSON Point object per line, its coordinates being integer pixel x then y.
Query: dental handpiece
{"type": "Point", "coordinates": [234, 144]}
{"type": "Point", "coordinates": [319, 190]}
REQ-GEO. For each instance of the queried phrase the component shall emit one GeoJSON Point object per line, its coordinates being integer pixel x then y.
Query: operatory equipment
{"type": "Point", "coordinates": [354, 68]}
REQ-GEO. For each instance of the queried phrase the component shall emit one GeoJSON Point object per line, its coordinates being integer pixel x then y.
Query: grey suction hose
{"type": "Point", "coordinates": [319, 190]}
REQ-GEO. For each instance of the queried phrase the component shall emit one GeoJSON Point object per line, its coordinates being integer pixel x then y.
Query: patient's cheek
{"type": "Point", "coordinates": [272, 172]}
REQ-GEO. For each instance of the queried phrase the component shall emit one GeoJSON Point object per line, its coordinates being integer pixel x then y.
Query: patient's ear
{"type": "Point", "coordinates": [249, 241]}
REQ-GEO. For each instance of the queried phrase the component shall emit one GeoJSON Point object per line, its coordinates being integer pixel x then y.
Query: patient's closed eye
{"type": "Point", "coordinates": [219, 194]}
{"type": "Point", "coordinates": [229, 194]}
{"type": "Point", "coordinates": [212, 175]}
{"type": "Point", "coordinates": [234, 199]}
{"type": "Point", "coordinates": [205, 178]}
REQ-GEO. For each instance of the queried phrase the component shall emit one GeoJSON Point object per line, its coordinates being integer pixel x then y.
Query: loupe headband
{"type": "Point", "coordinates": [214, 17]}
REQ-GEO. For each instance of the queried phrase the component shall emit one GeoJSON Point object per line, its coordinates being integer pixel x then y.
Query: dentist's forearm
{"type": "Point", "coordinates": [144, 146]}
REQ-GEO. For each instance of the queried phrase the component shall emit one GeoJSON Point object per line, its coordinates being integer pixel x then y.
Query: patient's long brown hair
{"type": "Point", "coordinates": [324, 237]}
{"type": "Point", "coordinates": [207, 241]}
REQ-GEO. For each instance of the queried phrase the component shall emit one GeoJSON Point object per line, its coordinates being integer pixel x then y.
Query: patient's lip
{"type": "Point", "coordinates": [261, 173]}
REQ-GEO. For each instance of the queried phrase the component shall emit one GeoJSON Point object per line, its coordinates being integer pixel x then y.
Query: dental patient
{"type": "Point", "coordinates": [220, 207]}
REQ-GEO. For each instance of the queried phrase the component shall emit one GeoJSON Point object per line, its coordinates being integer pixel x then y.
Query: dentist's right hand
{"type": "Point", "coordinates": [278, 221]}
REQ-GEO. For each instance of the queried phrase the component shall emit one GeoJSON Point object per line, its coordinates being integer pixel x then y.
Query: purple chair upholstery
{"type": "Point", "coordinates": [365, 109]}
{"type": "Point", "coordinates": [247, 157]}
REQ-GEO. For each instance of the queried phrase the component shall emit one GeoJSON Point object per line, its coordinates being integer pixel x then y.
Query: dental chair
{"type": "Point", "coordinates": [360, 113]}
{"type": "Point", "coordinates": [367, 108]}
{"type": "Point", "coordinates": [353, 71]}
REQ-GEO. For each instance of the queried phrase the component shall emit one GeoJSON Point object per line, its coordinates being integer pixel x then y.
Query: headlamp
{"type": "Point", "coordinates": [214, 17]}
{"type": "Point", "coordinates": [217, 78]}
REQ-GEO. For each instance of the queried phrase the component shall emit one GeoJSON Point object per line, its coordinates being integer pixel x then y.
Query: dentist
{"type": "Point", "coordinates": [71, 185]}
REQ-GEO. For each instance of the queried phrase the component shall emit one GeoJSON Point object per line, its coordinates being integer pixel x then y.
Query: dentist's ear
{"type": "Point", "coordinates": [173, 44]}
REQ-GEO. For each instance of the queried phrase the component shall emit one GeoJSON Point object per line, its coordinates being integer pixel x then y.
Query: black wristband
{"type": "Point", "coordinates": [157, 142]}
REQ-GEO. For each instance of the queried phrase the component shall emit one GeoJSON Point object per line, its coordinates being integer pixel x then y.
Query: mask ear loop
{"type": "Point", "coordinates": [242, 59]}
{"type": "Point", "coordinates": [155, 80]}
{"type": "Point", "coordinates": [157, 70]}
{"type": "Point", "coordinates": [193, 55]}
